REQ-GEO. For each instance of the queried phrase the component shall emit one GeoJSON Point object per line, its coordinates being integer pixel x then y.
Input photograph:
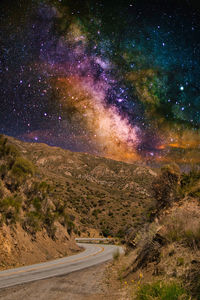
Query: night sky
{"type": "Point", "coordinates": [120, 79]}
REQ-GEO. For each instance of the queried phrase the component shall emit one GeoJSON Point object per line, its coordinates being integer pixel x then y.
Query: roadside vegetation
{"type": "Point", "coordinates": [162, 291]}
{"type": "Point", "coordinates": [24, 198]}
{"type": "Point", "coordinates": [162, 260]}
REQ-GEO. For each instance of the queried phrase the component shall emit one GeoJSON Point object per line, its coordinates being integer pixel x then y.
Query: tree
{"type": "Point", "coordinates": [166, 186]}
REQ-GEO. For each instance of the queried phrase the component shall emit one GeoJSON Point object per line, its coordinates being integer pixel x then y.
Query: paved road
{"type": "Point", "coordinates": [96, 240]}
{"type": "Point", "coordinates": [94, 254]}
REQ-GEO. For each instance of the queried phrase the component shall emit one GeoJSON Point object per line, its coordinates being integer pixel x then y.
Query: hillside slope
{"type": "Point", "coordinates": [48, 195]}
{"type": "Point", "coordinates": [99, 193]}
{"type": "Point", "coordinates": [164, 261]}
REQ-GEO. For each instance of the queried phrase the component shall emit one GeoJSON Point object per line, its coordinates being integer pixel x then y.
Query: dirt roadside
{"type": "Point", "coordinates": [90, 284]}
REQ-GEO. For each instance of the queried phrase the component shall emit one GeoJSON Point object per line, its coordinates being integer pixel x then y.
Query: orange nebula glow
{"type": "Point", "coordinates": [115, 137]}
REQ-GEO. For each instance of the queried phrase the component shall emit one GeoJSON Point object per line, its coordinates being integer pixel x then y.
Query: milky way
{"type": "Point", "coordinates": [119, 79]}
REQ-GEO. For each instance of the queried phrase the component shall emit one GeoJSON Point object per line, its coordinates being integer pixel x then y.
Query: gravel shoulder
{"type": "Point", "coordinates": [87, 284]}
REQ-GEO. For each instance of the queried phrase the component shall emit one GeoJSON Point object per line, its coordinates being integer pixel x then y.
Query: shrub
{"type": "Point", "coordinates": [180, 261]}
{"type": "Point", "coordinates": [67, 221]}
{"type": "Point", "coordinates": [166, 186]}
{"type": "Point", "coordinates": [3, 170]}
{"type": "Point", "coordinates": [192, 280]}
{"type": "Point", "coordinates": [22, 167]}
{"type": "Point", "coordinates": [10, 201]}
{"type": "Point", "coordinates": [33, 222]}
{"type": "Point", "coordinates": [7, 149]}
{"type": "Point", "coordinates": [37, 203]}
{"type": "Point", "coordinates": [70, 226]}
{"type": "Point", "coordinates": [190, 183]}
{"type": "Point", "coordinates": [96, 212]}
{"type": "Point", "coordinates": [195, 193]}
{"type": "Point", "coordinates": [161, 291]}
{"type": "Point", "coordinates": [105, 232]}
{"type": "Point", "coordinates": [49, 220]}
{"type": "Point", "coordinates": [9, 208]}
{"type": "Point", "coordinates": [3, 142]}
{"type": "Point", "coordinates": [43, 187]}
{"type": "Point", "coordinates": [190, 179]}
{"type": "Point", "coordinates": [120, 233]}
{"type": "Point", "coordinates": [39, 190]}
{"type": "Point", "coordinates": [11, 150]}
{"type": "Point", "coordinates": [1, 190]}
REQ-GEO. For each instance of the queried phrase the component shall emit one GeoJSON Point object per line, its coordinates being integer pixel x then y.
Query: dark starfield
{"type": "Point", "coordinates": [119, 79]}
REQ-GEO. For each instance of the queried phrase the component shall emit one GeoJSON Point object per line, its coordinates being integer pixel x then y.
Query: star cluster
{"type": "Point", "coordinates": [119, 79]}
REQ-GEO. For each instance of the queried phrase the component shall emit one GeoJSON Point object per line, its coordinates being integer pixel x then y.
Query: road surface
{"type": "Point", "coordinates": [94, 254]}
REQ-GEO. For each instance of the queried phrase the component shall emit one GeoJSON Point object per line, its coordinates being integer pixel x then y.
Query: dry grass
{"type": "Point", "coordinates": [166, 251]}
{"type": "Point", "coordinates": [183, 226]}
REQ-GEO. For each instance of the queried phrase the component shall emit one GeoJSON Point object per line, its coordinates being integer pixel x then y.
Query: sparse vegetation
{"type": "Point", "coordinates": [178, 230]}
{"type": "Point", "coordinates": [9, 209]}
{"type": "Point", "coordinates": [167, 246]}
{"type": "Point", "coordinates": [21, 169]}
{"type": "Point", "coordinates": [32, 223]}
{"type": "Point", "coordinates": [161, 291]}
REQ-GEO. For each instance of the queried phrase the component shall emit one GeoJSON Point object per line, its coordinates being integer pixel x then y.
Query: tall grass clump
{"type": "Point", "coordinates": [161, 291]}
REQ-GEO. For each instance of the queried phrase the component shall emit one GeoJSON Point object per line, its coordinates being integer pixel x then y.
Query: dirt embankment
{"type": "Point", "coordinates": [18, 248]}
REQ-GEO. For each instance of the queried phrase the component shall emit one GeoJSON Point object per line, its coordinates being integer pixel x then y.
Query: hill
{"type": "Point", "coordinates": [163, 261]}
{"type": "Point", "coordinates": [51, 194]}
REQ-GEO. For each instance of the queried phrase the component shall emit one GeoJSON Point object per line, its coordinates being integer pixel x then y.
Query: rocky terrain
{"type": "Point", "coordinates": [50, 195]}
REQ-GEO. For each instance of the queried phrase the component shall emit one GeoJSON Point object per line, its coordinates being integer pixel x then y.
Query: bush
{"type": "Point", "coordinates": [33, 222]}
{"type": "Point", "coordinates": [9, 208]}
{"type": "Point", "coordinates": [11, 150]}
{"type": "Point", "coordinates": [7, 149]}
{"type": "Point", "coordinates": [195, 193]}
{"type": "Point", "coordinates": [192, 280]}
{"type": "Point", "coordinates": [41, 189]}
{"type": "Point", "coordinates": [161, 291]}
{"type": "Point", "coordinates": [70, 226]}
{"type": "Point", "coordinates": [3, 142]}
{"type": "Point", "coordinates": [190, 183]}
{"type": "Point", "coordinates": [190, 179]}
{"type": "Point", "coordinates": [3, 171]}
{"type": "Point", "coordinates": [1, 190]}
{"type": "Point", "coordinates": [37, 204]}
{"type": "Point", "coordinates": [96, 212]}
{"type": "Point", "coordinates": [105, 232]}
{"type": "Point", "coordinates": [121, 233]}
{"type": "Point", "coordinates": [165, 188]}
{"type": "Point", "coordinates": [49, 220]}
{"type": "Point", "coordinates": [22, 167]}
{"type": "Point", "coordinates": [67, 221]}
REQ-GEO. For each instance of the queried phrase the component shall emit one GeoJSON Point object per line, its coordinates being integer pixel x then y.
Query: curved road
{"type": "Point", "coordinates": [94, 254]}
